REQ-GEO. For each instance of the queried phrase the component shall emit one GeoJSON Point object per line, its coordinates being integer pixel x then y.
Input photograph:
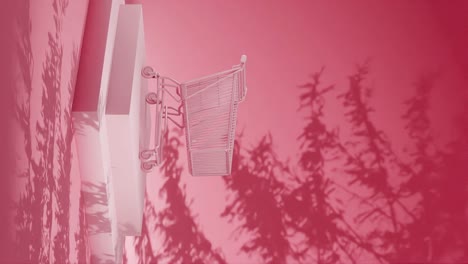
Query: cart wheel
{"type": "Point", "coordinates": [152, 98]}
{"type": "Point", "coordinates": [146, 154]}
{"type": "Point", "coordinates": [148, 72]}
{"type": "Point", "coordinates": [147, 166]}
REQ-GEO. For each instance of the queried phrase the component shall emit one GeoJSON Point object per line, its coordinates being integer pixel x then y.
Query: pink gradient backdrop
{"type": "Point", "coordinates": [285, 42]}
{"type": "Point", "coordinates": [45, 56]}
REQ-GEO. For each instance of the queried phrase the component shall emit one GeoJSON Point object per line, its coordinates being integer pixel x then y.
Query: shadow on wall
{"type": "Point", "coordinates": [9, 74]}
{"type": "Point", "coordinates": [351, 196]}
{"type": "Point", "coordinates": [97, 260]}
{"type": "Point", "coordinates": [24, 212]}
{"type": "Point", "coordinates": [83, 122]}
{"type": "Point", "coordinates": [174, 227]}
{"type": "Point", "coordinates": [42, 214]}
{"type": "Point", "coordinates": [257, 201]}
{"type": "Point", "coordinates": [82, 249]}
{"type": "Point", "coordinates": [347, 198]}
{"type": "Point", "coordinates": [97, 215]}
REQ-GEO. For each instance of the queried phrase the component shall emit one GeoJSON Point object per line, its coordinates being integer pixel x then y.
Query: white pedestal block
{"type": "Point", "coordinates": [126, 117]}
{"type": "Point", "coordinates": [109, 112]}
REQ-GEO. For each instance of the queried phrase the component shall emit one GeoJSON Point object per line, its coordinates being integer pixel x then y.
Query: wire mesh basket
{"type": "Point", "coordinates": [208, 106]}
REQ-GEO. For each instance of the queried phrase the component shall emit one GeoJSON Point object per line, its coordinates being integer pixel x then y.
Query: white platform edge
{"type": "Point", "coordinates": [94, 139]}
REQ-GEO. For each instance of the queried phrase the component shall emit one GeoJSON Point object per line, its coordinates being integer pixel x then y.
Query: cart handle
{"type": "Point", "coordinates": [244, 90]}
{"type": "Point", "coordinates": [236, 68]}
{"type": "Point", "coordinates": [243, 59]}
{"type": "Point", "coordinates": [211, 85]}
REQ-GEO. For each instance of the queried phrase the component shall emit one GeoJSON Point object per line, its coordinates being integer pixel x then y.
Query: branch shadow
{"type": "Point", "coordinates": [180, 238]}
{"type": "Point", "coordinates": [81, 237]}
{"type": "Point", "coordinates": [83, 122]}
{"type": "Point", "coordinates": [297, 213]}
{"type": "Point", "coordinates": [438, 179]}
{"type": "Point", "coordinates": [23, 216]}
{"type": "Point", "coordinates": [256, 203]}
{"type": "Point", "coordinates": [291, 213]}
{"type": "Point", "coordinates": [95, 202]}
{"type": "Point", "coordinates": [45, 203]}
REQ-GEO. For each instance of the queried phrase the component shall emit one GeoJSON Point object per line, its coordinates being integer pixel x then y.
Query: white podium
{"type": "Point", "coordinates": [110, 118]}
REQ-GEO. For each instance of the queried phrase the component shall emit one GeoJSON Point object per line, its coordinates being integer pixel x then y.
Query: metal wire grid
{"type": "Point", "coordinates": [210, 113]}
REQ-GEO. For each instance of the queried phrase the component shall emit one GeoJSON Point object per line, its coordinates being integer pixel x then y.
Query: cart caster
{"type": "Point", "coordinates": [148, 166]}
{"type": "Point", "coordinates": [152, 98]}
{"type": "Point", "coordinates": [148, 72]}
{"type": "Point", "coordinates": [146, 154]}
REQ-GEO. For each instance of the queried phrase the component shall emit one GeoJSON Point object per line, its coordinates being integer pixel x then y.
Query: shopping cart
{"type": "Point", "coordinates": [208, 107]}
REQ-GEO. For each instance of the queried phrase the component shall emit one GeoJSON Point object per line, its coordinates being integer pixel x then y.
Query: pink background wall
{"type": "Point", "coordinates": [285, 43]}
{"type": "Point", "coordinates": [45, 194]}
